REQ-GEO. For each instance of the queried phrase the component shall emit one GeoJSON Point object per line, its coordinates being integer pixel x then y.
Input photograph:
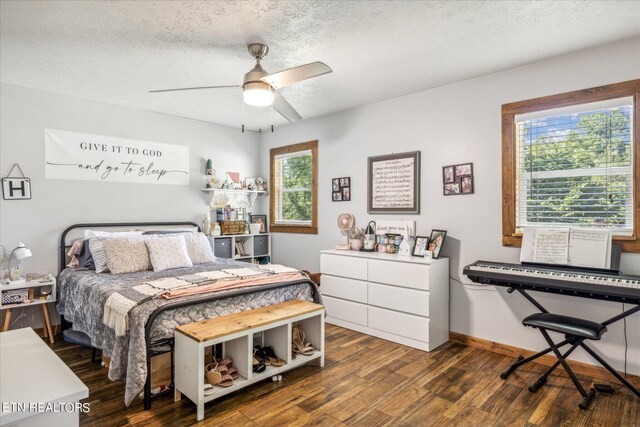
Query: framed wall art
{"type": "Point", "coordinates": [457, 179]}
{"type": "Point", "coordinates": [341, 189]}
{"type": "Point", "coordinates": [394, 184]}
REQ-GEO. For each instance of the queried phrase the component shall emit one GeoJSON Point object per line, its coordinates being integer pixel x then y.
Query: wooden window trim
{"type": "Point", "coordinates": [304, 229]}
{"type": "Point", "coordinates": [600, 93]}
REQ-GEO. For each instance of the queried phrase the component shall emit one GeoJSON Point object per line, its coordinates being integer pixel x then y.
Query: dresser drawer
{"type": "Point", "coordinates": [406, 325]}
{"type": "Point", "coordinates": [399, 273]}
{"type": "Point", "coordinates": [396, 298]}
{"type": "Point", "coordinates": [345, 310]}
{"type": "Point", "coordinates": [339, 287]}
{"type": "Point", "coordinates": [344, 266]}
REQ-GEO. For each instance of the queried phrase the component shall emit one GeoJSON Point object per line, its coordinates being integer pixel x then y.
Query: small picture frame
{"type": "Point", "coordinates": [448, 174]}
{"type": "Point", "coordinates": [420, 248]}
{"type": "Point", "coordinates": [346, 194]}
{"type": "Point", "coordinates": [341, 189]}
{"type": "Point", "coordinates": [466, 185]}
{"type": "Point", "coordinates": [464, 169]}
{"type": "Point", "coordinates": [452, 189]}
{"type": "Point", "coordinates": [250, 184]}
{"type": "Point", "coordinates": [436, 241]}
{"type": "Point", "coordinates": [260, 219]}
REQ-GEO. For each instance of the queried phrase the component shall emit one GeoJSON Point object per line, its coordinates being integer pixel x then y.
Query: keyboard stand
{"type": "Point", "coordinates": [521, 360]}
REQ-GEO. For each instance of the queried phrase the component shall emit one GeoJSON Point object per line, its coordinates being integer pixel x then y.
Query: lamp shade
{"type": "Point", "coordinates": [258, 94]}
{"type": "Point", "coordinates": [22, 252]}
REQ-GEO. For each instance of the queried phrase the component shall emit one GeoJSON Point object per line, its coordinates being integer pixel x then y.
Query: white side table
{"type": "Point", "coordinates": [30, 372]}
{"type": "Point", "coordinates": [35, 285]}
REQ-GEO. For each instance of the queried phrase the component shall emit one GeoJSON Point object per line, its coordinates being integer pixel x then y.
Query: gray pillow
{"type": "Point", "coordinates": [83, 255]}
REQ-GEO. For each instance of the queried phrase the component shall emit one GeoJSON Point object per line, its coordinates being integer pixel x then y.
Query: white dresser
{"type": "Point", "coordinates": [400, 299]}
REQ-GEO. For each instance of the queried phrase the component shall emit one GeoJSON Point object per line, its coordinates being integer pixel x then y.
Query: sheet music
{"type": "Point", "coordinates": [590, 248]}
{"type": "Point", "coordinates": [551, 246]}
{"type": "Point", "coordinates": [528, 244]}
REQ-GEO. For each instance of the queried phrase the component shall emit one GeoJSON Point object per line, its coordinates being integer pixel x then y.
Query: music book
{"type": "Point", "coordinates": [578, 247]}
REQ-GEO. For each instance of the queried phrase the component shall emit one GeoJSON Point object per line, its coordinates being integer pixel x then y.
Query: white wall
{"type": "Point", "coordinates": [56, 204]}
{"type": "Point", "coordinates": [458, 123]}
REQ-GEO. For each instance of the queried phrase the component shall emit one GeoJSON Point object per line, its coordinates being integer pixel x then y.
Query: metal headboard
{"type": "Point", "coordinates": [64, 246]}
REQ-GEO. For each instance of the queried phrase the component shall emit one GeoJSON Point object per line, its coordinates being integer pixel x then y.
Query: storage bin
{"type": "Point", "coordinates": [222, 248]}
{"type": "Point", "coordinates": [260, 245]}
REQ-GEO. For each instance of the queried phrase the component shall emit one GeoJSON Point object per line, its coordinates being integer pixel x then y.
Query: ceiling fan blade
{"type": "Point", "coordinates": [296, 74]}
{"type": "Point", "coordinates": [195, 88]}
{"type": "Point", "coordinates": [284, 108]}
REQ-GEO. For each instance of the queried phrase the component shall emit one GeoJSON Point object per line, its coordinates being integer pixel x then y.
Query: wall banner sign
{"type": "Point", "coordinates": [85, 157]}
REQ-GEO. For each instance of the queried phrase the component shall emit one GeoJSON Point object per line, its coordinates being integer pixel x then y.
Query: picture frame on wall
{"type": "Point", "coordinates": [260, 219]}
{"type": "Point", "coordinates": [457, 179]}
{"type": "Point", "coordinates": [393, 183]}
{"type": "Point", "coordinates": [341, 189]}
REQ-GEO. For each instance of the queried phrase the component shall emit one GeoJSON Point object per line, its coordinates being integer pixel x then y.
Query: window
{"type": "Point", "coordinates": [293, 199]}
{"type": "Point", "coordinates": [573, 160]}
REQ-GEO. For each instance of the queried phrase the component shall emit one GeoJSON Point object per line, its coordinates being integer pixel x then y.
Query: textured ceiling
{"type": "Point", "coordinates": [115, 51]}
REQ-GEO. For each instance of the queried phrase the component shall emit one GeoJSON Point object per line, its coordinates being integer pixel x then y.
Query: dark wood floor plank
{"type": "Point", "coordinates": [368, 381]}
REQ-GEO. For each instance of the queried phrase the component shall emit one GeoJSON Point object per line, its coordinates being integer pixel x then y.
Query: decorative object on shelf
{"type": "Point", "coordinates": [261, 184]}
{"type": "Point", "coordinates": [260, 219]}
{"type": "Point", "coordinates": [232, 227]}
{"type": "Point", "coordinates": [420, 248]}
{"type": "Point", "coordinates": [404, 249]}
{"type": "Point", "coordinates": [346, 222]}
{"type": "Point", "coordinates": [457, 179]}
{"type": "Point", "coordinates": [234, 177]}
{"type": "Point", "coordinates": [241, 214]}
{"type": "Point", "coordinates": [21, 252]}
{"type": "Point", "coordinates": [213, 181]}
{"type": "Point", "coordinates": [382, 243]}
{"type": "Point", "coordinates": [392, 242]}
{"type": "Point", "coordinates": [394, 183]}
{"type": "Point", "coordinates": [255, 228]}
{"type": "Point", "coordinates": [341, 189]}
{"type": "Point", "coordinates": [402, 227]}
{"type": "Point", "coordinates": [79, 156]}
{"type": "Point", "coordinates": [247, 230]}
{"type": "Point", "coordinates": [206, 223]}
{"type": "Point", "coordinates": [436, 241]}
{"type": "Point", "coordinates": [369, 243]}
{"type": "Point", "coordinates": [216, 229]}
{"type": "Point", "coordinates": [209, 168]}
{"type": "Point", "coordinates": [356, 237]}
{"type": "Point", "coordinates": [229, 213]}
{"type": "Point", "coordinates": [16, 187]}
{"type": "Point", "coordinates": [250, 184]}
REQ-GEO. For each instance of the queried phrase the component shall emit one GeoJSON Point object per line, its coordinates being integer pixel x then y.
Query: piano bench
{"type": "Point", "coordinates": [571, 326]}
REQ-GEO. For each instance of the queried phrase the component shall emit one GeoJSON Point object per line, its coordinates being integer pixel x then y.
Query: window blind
{"type": "Point", "coordinates": [574, 167]}
{"type": "Point", "coordinates": [294, 178]}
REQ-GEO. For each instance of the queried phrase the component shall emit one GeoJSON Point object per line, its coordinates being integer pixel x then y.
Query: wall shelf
{"type": "Point", "coordinates": [250, 195]}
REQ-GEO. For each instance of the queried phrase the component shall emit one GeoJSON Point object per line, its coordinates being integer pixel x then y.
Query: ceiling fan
{"type": "Point", "coordinates": [260, 89]}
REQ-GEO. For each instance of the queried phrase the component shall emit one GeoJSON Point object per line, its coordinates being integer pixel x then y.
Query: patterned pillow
{"type": "Point", "coordinates": [199, 248]}
{"type": "Point", "coordinates": [127, 255]}
{"type": "Point", "coordinates": [111, 234]}
{"type": "Point", "coordinates": [168, 252]}
{"type": "Point", "coordinates": [96, 247]}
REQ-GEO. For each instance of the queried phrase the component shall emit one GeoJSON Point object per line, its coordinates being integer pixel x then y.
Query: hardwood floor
{"type": "Point", "coordinates": [367, 381]}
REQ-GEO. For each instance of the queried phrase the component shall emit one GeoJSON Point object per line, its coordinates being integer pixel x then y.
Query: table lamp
{"type": "Point", "coordinates": [21, 252]}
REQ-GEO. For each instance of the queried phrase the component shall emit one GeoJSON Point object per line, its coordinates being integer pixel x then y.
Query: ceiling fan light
{"type": "Point", "coordinates": [258, 94]}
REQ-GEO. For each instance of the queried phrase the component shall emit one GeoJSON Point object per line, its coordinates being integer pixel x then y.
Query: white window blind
{"type": "Point", "coordinates": [574, 167]}
{"type": "Point", "coordinates": [294, 180]}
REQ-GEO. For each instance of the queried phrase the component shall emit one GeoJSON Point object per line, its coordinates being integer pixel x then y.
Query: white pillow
{"type": "Point", "coordinates": [199, 248]}
{"type": "Point", "coordinates": [111, 234]}
{"type": "Point", "coordinates": [168, 252]}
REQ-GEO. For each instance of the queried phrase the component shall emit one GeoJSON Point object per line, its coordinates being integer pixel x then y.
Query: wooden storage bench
{"type": "Point", "coordinates": [238, 333]}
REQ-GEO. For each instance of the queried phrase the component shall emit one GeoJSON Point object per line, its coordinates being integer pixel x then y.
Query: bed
{"type": "Point", "coordinates": [151, 324]}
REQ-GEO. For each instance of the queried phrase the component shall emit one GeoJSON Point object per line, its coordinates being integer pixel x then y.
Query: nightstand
{"type": "Point", "coordinates": [28, 289]}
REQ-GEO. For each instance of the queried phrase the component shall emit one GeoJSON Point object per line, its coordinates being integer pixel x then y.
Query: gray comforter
{"type": "Point", "coordinates": [83, 294]}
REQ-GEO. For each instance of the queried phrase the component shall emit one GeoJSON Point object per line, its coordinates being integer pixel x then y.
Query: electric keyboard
{"type": "Point", "coordinates": [561, 280]}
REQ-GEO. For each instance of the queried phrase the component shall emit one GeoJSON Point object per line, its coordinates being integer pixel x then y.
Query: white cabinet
{"type": "Point", "coordinates": [401, 299]}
